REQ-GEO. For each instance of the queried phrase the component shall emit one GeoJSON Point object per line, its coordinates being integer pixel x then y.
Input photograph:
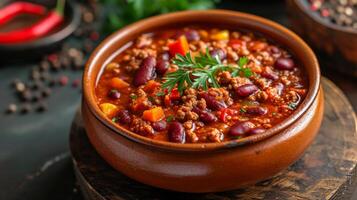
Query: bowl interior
{"type": "Point", "coordinates": [218, 18]}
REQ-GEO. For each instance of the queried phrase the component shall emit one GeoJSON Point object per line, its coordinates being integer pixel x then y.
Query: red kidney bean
{"type": "Point", "coordinates": [145, 72]}
{"type": "Point", "coordinates": [269, 74]}
{"type": "Point", "coordinates": [160, 125]}
{"type": "Point", "coordinates": [240, 128]}
{"type": "Point", "coordinates": [284, 64]}
{"type": "Point", "coordinates": [124, 117]}
{"type": "Point", "coordinates": [114, 94]}
{"type": "Point", "coordinates": [192, 35]}
{"type": "Point", "coordinates": [165, 55]}
{"type": "Point", "coordinates": [207, 117]}
{"type": "Point", "coordinates": [218, 52]}
{"type": "Point", "coordinates": [162, 66]}
{"type": "Point", "coordinates": [274, 49]}
{"type": "Point", "coordinates": [176, 132]}
{"type": "Point", "coordinates": [256, 131]}
{"type": "Point", "coordinates": [212, 103]}
{"type": "Point", "coordinates": [256, 110]}
{"type": "Point", "coordinates": [246, 90]}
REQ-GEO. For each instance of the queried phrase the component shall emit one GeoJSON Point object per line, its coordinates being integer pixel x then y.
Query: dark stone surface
{"type": "Point", "coordinates": [28, 143]}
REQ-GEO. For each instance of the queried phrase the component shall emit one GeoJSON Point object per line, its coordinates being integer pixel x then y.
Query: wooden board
{"type": "Point", "coordinates": [327, 170]}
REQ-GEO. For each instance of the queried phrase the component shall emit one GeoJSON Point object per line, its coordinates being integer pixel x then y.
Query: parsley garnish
{"type": "Point", "coordinates": [114, 119]}
{"type": "Point", "coordinates": [201, 71]}
{"type": "Point", "coordinates": [133, 96]}
{"type": "Point", "coordinates": [242, 110]}
{"type": "Point", "coordinates": [161, 93]}
{"type": "Point", "coordinates": [292, 106]}
{"type": "Point", "coordinates": [170, 118]}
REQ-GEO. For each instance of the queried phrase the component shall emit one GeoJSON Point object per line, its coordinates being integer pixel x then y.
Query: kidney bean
{"type": "Point", "coordinates": [114, 94]}
{"type": "Point", "coordinates": [241, 128]}
{"type": "Point", "coordinates": [255, 131]}
{"type": "Point", "coordinates": [162, 66]}
{"type": "Point", "coordinates": [176, 132]}
{"type": "Point", "coordinates": [284, 64]}
{"type": "Point", "coordinates": [274, 49]}
{"type": "Point", "coordinates": [124, 117]}
{"type": "Point", "coordinates": [218, 52]}
{"type": "Point", "coordinates": [246, 90]}
{"type": "Point", "coordinates": [145, 72]}
{"type": "Point", "coordinates": [269, 74]}
{"type": "Point", "coordinates": [256, 110]}
{"type": "Point", "coordinates": [192, 35]}
{"type": "Point", "coordinates": [212, 103]}
{"type": "Point", "coordinates": [160, 125]}
{"type": "Point", "coordinates": [165, 55]}
{"type": "Point", "coordinates": [207, 117]}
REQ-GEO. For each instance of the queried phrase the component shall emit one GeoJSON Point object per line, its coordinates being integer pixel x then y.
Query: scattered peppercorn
{"type": "Point", "coordinates": [42, 106]}
{"type": "Point", "coordinates": [63, 80]}
{"type": "Point", "coordinates": [26, 108]}
{"type": "Point", "coordinates": [76, 83]}
{"type": "Point", "coordinates": [12, 108]}
{"type": "Point", "coordinates": [46, 92]}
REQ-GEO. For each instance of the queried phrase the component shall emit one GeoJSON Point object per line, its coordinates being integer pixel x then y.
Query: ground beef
{"type": "Point", "coordinates": [142, 127]}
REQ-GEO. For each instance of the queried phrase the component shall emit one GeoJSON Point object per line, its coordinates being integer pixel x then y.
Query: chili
{"type": "Point", "coordinates": [39, 29]}
{"type": "Point", "coordinates": [14, 9]}
{"type": "Point", "coordinates": [227, 84]}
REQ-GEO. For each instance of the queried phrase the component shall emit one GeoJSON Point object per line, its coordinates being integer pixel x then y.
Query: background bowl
{"type": "Point", "coordinates": [212, 166]}
{"type": "Point", "coordinates": [336, 45]}
{"type": "Point", "coordinates": [49, 42]}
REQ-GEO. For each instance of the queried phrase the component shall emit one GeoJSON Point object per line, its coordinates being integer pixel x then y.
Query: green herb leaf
{"type": "Point", "coordinates": [160, 94]}
{"type": "Point", "coordinates": [242, 110]}
{"type": "Point", "coordinates": [133, 96]}
{"type": "Point", "coordinates": [170, 118]}
{"type": "Point", "coordinates": [242, 61]}
{"type": "Point", "coordinates": [292, 106]}
{"type": "Point", "coordinates": [114, 119]}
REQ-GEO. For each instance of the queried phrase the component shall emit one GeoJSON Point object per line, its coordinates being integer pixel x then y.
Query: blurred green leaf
{"type": "Point", "coordinates": [123, 12]}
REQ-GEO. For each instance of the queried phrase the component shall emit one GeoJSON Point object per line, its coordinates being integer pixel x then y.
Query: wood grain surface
{"type": "Point", "coordinates": [327, 170]}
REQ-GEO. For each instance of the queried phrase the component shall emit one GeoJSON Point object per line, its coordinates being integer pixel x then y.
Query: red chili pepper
{"type": "Point", "coordinates": [14, 9]}
{"type": "Point", "coordinates": [39, 29]}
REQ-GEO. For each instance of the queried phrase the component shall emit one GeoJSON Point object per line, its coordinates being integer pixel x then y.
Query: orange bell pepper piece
{"type": "Point", "coordinates": [154, 114]}
{"type": "Point", "coordinates": [118, 83]}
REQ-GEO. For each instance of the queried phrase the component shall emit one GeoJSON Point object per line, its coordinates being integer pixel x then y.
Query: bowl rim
{"type": "Point", "coordinates": [304, 8]}
{"type": "Point", "coordinates": [89, 98]}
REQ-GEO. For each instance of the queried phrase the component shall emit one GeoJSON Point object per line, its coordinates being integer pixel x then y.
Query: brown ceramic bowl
{"type": "Point", "coordinates": [206, 167]}
{"type": "Point", "coordinates": [336, 45]}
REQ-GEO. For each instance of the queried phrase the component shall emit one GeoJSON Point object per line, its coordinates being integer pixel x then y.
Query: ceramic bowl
{"type": "Point", "coordinates": [336, 45]}
{"type": "Point", "coordinates": [206, 167]}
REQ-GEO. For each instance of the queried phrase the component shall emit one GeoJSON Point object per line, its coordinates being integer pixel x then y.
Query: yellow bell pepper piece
{"type": "Point", "coordinates": [222, 35]}
{"type": "Point", "coordinates": [108, 109]}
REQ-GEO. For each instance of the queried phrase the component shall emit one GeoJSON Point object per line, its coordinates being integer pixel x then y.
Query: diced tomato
{"type": "Point", "coordinates": [224, 112]}
{"type": "Point", "coordinates": [235, 43]}
{"type": "Point", "coordinates": [180, 46]}
{"type": "Point", "coordinates": [167, 101]}
{"type": "Point", "coordinates": [175, 94]}
{"type": "Point", "coordinates": [151, 86]}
